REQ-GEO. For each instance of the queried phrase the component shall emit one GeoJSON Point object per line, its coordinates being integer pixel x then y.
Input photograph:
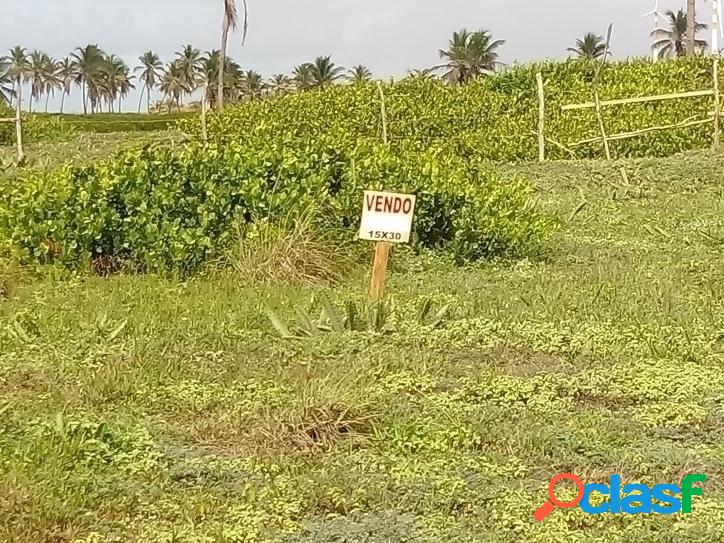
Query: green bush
{"type": "Point", "coordinates": [7, 130]}
{"type": "Point", "coordinates": [164, 210]}
{"type": "Point", "coordinates": [43, 127]}
{"type": "Point", "coordinates": [38, 128]}
{"type": "Point", "coordinates": [495, 117]}
{"type": "Point", "coordinates": [122, 122]}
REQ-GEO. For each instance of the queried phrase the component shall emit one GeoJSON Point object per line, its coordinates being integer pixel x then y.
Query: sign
{"type": "Point", "coordinates": [387, 216]}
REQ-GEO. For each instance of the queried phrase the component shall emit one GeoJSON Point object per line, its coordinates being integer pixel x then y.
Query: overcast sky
{"type": "Point", "coordinates": [389, 36]}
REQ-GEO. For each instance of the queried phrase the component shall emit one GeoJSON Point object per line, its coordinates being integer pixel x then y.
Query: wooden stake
{"type": "Point", "coordinates": [19, 131]}
{"type": "Point", "coordinates": [640, 100]}
{"type": "Point", "coordinates": [601, 126]}
{"type": "Point", "coordinates": [541, 118]}
{"type": "Point", "coordinates": [626, 135]}
{"type": "Point", "coordinates": [204, 130]}
{"type": "Point", "coordinates": [382, 248]}
{"type": "Point", "coordinates": [379, 270]}
{"type": "Point", "coordinates": [597, 97]}
{"type": "Point", "coordinates": [717, 105]}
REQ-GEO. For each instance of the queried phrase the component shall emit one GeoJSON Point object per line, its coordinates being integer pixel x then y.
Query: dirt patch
{"type": "Point", "coordinates": [513, 361]}
{"type": "Point", "coordinates": [589, 399]}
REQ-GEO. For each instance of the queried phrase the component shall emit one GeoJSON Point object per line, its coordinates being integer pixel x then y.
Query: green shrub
{"type": "Point", "coordinates": [164, 210]}
{"type": "Point", "coordinates": [38, 128]}
{"type": "Point", "coordinates": [122, 122]}
{"type": "Point", "coordinates": [7, 130]}
{"type": "Point", "coordinates": [495, 117]}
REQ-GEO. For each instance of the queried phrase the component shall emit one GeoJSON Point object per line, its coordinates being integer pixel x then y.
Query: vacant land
{"type": "Point", "coordinates": [144, 409]}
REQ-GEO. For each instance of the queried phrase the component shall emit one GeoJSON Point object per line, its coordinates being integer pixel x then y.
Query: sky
{"type": "Point", "coordinates": [389, 36]}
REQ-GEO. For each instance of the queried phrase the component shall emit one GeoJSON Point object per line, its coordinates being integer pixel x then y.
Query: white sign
{"type": "Point", "coordinates": [387, 216]}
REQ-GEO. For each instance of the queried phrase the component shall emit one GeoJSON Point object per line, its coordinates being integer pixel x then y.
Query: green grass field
{"type": "Point", "coordinates": [136, 408]}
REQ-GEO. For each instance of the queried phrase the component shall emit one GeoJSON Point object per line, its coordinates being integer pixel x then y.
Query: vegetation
{"type": "Point", "coordinates": [495, 117]}
{"type": "Point", "coordinates": [470, 55]}
{"type": "Point", "coordinates": [6, 90]}
{"type": "Point", "coordinates": [591, 47]}
{"type": "Point", "coordinates": [143, 409]}
{"type": "Point", "coordinates": [671, 42]}
{"type": "Point", "coordinates": [186, 350]}
{"type": "Point", "coordinates": [158, 209]}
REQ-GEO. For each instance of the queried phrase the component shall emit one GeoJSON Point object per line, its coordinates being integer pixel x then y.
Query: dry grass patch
{"type": "Point", "coordinates": [316, 428]}
{"type": "Point", "coordinates": [293, 252]}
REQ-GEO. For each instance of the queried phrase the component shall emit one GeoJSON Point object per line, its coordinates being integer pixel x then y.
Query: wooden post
{"type": "Point", "coordinates": [541, 118]}
{"type": "Point", "coordinates": [382, 248]}
{"type": "Point", "coordinates": [379, 270]}
{"type": "Point", "coordinates": [717, 105]}
{"type": "Point", "coordinates": [19, 131]}
{"type": "Point", "coordinates": [597, 97]}
{"type": "Point", "coordinates": [204, 130]}
{"type": "Point", "coordinates": [601, 126]}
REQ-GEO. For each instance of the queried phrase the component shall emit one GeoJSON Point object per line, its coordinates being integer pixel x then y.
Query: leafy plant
{"type": "Point", "coordinates": [374, 317]}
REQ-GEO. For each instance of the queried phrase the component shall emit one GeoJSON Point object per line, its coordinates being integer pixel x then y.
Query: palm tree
{"type": "Point", "coordinates": [124, 84]}
{"type": "Point", "coordinates": [189, 63]}
{"type": "Point", "coordinates": [591, 47]}
{"type": "Point", "coordinates": [151, 69]}
{"type": "Point", "coordinates": [279, 84]}
{"type": "Point", "coordinates": [17, 62]}
{"type": "Point", "coordinates": [359, 74]}
{"type": "Point", "coordinates": [6, 82]}
{"type": "Point", "coordinates": [66, 76]}
{"type": "Point", "coordinates": [303, 77]}
{"type": "Point", "coordinates": [36, 75]}
{"type": "Point", "coordinates": [470, 55]}
{"type": "Point", "coordinates": [325, 72]}
{"type": "Point", "coordinates": [691, 28]}
{"type": "Point", "coordinates": [252, 85]}
{"type": "Point", "coordinates": [231, 19]}
{"type": "Point", "coordinates": [51, 79]}
{"type": "Point", "coordinates": [672, 42]}
{"type": "Point", "coordinates": [173, 85]}
{"type": "Point", "coordinates": [233, 81]}
{"type": "Point", "coordinates": [426, 74]}
{"type": "Point", "coordinates": [209, 75]}
{"type": "Point", "coordinates": [88, 61]}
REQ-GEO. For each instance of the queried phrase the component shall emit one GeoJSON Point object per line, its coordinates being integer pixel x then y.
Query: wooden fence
{"type": "Point", "coordinates": [598, 104]}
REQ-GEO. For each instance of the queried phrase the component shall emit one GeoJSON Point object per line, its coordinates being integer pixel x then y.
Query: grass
{"type": "Point", "coordinates": [78, 150]}
{"type": "Point", "coordinates": [140, 409]}
{"type": "Point", "coordinates": [293, 252]}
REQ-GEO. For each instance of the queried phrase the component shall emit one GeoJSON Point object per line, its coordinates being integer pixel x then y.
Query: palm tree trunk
{"type": "Point", "coordinates": [47, 99]}
{"type": "Point", "coordinates": [140, 101]}
{"type": "Point", "coordinates": [691, 28]}
{"type": "Point", "coordinates": [222, 62]}
{"type": "Point", "coordinates": [62, 102]}
{"type": "Point", "coordinates": [85, 98]}
{"type": "Point", "coordinates": [148, 100]}
{"type": "Point", "coordinates": [30, 103]}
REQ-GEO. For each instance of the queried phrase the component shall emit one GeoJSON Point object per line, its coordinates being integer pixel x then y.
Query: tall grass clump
{"type": "Point", "coordinates": [291, 251]}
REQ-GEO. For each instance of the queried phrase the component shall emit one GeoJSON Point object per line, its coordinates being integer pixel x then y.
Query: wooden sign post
{"type": "Point", "coordinates": [386, 219]}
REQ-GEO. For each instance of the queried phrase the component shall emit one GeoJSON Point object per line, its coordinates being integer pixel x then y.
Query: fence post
{"type": "Point", "coordinates": [601, 127]}
{"type": "Point", "coordinates": [541, 118]}
{"type": "Point", "coordinates": [19, 131]}
{"type": "Point", "coordinates": [717, 105]}
{"type": "Point", "coordinates": [204, 128]}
